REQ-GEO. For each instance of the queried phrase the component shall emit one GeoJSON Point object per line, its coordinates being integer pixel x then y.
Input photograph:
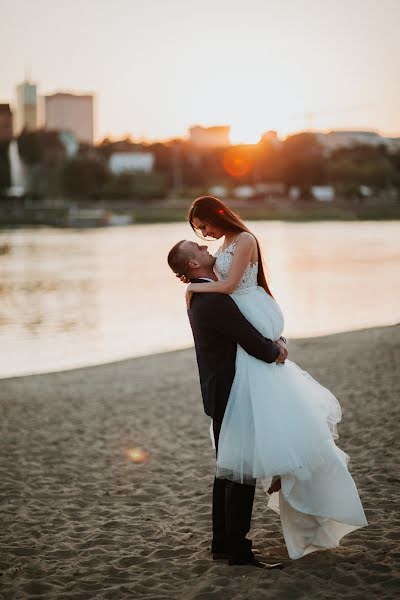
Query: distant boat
{"type": "Point", "coordinates": [96, 217]}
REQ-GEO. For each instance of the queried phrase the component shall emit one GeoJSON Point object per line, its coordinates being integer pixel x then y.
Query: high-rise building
{"type": "Point", "coordinates": [6, 130]}
{"type": "Point", "coordinates": [70, 112]}
{"type": "Point", "coordinates": [26, 112]}
{"type": "Point", "coordinates": [209, 136]}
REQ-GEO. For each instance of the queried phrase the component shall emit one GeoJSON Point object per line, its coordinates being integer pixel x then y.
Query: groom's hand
{"type": "Point", "coordinates": [283, 353]}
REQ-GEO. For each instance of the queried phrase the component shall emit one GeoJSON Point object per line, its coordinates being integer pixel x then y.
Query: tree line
{"type": "Point", "coordinates": [183, 169]}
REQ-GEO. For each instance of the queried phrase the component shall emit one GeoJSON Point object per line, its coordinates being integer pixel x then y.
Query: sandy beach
{"type": "Point", "coordinates": [81, 520]}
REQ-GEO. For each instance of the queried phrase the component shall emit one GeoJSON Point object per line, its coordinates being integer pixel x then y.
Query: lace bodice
{"type": "Point", "coordinates": [224, 263]}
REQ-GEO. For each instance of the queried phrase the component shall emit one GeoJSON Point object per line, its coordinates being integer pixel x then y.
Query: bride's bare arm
{"type": "Point", "coordinates": [243, 252]}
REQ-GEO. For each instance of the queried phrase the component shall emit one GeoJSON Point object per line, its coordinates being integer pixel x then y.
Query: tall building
{"type": "Point", "coordinates": [209, 136]}
{"type": "Point", "coordinates": [70, 112]}
{"type": "Point", "coordinates": [6, 129]}
{"type": "Point", "coordinates": [26, 112]}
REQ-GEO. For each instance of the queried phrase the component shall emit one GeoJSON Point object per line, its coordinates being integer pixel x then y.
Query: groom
{"type": "Point", "coordinates": [218, 327]}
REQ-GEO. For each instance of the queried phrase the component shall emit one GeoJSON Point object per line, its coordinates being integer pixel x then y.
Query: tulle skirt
{"type": "Point", "coordinates": [279, 421]}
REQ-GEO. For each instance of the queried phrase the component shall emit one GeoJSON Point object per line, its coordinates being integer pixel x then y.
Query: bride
{"type": "Point", "coordinates": [280, 424]}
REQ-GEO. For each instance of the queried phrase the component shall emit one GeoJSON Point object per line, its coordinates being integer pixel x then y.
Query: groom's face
{"type": "Point", "coordinates": [200, 256]}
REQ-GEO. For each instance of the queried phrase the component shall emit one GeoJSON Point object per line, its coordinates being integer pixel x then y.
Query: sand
{"type": "Point", "coordinates": [81, 520]}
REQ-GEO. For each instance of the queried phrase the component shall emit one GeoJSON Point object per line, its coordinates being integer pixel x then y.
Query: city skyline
{"type": "Point", "coordinates": [156, 71]}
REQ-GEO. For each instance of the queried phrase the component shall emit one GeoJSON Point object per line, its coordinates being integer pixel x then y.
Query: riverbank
{"type": "Point", "coordinates": [58, 214]}
{"type": "Point", "coordinates": [282, 212]}
{"type": "Point", "coordinates": [82, 520]}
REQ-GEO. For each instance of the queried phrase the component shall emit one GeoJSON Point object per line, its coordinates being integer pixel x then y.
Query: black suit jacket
{"type": "Point", "coordinates": [218, 326]}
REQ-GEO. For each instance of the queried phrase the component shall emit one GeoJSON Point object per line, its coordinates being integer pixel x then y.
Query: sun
{"type": "Point", "coordinates": [251, 129]}
{"type": "Point", "coordinates": [248, 125]}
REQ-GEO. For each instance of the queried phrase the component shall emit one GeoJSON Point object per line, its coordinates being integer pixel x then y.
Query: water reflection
{"type": "Point", "coordinates": [71, 298]}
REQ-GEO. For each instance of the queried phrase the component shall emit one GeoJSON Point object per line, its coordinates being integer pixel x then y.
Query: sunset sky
{"type": "Point", "coordinates": [159, 66]}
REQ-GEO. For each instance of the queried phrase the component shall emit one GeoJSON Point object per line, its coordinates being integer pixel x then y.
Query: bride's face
{"type": "Point", "coordinates": [206, 229]}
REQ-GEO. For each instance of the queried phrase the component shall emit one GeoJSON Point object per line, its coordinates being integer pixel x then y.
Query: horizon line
{"type": "Point", "coordinates": [143, 139]}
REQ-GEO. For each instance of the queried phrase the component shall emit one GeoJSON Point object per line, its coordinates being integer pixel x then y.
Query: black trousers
{"type": "Point", "coordinates": [231, 514]}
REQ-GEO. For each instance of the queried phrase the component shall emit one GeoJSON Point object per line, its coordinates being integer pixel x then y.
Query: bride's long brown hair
{"type": "Point", "coordinates": [213, 211]}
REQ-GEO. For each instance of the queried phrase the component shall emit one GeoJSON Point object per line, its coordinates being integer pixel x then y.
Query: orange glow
{"type": "Point", "coordinates": [137, 455]}
{"type": "Point", "coordinates": [237, 161]}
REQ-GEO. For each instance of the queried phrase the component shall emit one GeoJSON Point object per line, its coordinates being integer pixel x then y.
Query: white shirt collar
{"type": "Point", "coordinates": [205, 278]}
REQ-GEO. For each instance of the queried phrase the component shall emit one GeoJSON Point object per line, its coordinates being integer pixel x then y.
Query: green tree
{"type": "Point", "coordinates": [394, 158]}
{"type": "Point", "coordinates": [29, 148]}
{"type": "Point", "coordinates": [268, 161]}
{"type": "Point", "coordinates": [348, 168]}
{"type": "Point", "coordinates": [303, 163]}
{"type": "Point", "coordinates": [149, 185]}
{"type": "Point", "coordinates": [5, 175]}
{"type": "Point", "coordinates": [39, 147]}
{"type": "Point", "coordinates": [135, 185]}
{"type": "Point", "coordinates": [84, 177]}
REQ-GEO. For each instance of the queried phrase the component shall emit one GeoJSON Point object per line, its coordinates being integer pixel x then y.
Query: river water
{"type": "Point", "coordinates": [72, 298]}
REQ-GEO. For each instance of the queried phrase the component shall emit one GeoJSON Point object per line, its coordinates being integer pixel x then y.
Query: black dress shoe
{"type": "Point", "coordinates": [220, 555]}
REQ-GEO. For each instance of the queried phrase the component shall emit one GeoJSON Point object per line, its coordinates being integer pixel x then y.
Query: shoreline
{"type": "Point", "coordinates": [373, 216]}
{"type": "Point", "coordinates": [176, 211]}
{"type": "Point", "coordinates": [82, 520]}
{"type": "Point", "coordinates": [176, 350]}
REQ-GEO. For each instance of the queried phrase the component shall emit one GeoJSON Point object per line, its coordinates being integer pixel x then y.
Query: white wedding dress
{"type": "Point", "coordinates": [281, 421]}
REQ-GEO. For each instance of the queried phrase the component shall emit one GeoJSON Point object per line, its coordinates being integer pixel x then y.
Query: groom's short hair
{"type": "Point", "coordinates": [178, 258]}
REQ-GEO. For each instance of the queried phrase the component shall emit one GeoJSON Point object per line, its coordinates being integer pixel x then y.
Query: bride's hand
{"type": "Point", "coordinates": [183, 278]}
{"type": "Point", "coordinates": [283, 352]}
{"type": "Point", "coordinates": [189, 296]}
